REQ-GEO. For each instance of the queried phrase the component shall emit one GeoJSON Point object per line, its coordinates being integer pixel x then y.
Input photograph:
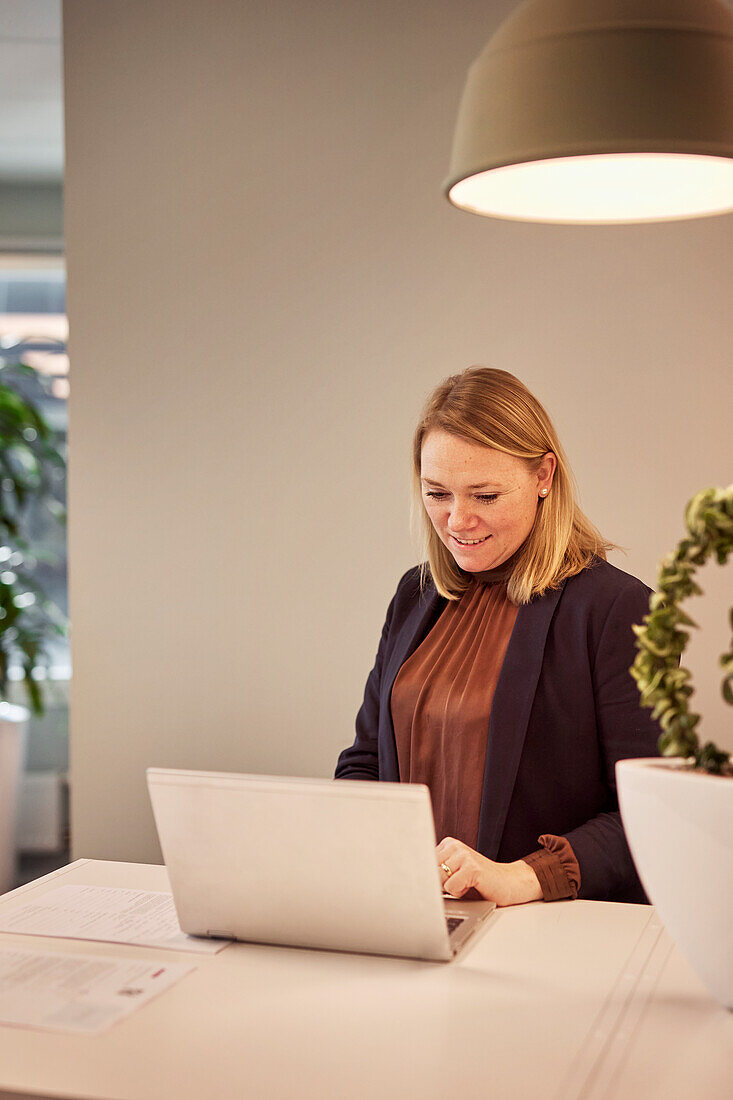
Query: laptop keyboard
{"type": "Point", "coordinates": [453, 923]}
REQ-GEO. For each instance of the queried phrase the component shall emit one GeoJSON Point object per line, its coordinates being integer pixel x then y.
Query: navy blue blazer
{"type": "Point", "coordinates": [565, 710]}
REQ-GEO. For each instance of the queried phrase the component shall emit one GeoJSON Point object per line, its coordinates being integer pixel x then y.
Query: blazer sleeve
{"type": "Point", "coordinates": [625, 729]}
{"type": "Point", "coordinates": [361, 760]}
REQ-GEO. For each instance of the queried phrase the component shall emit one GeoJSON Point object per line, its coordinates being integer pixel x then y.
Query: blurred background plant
{"type": "Point", "coordinates": [663, 683]}
{"type": "Point", "coordinates": [32, 479]}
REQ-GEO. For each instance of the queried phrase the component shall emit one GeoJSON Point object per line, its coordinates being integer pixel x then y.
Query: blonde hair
{"type": "Point", "coordinates": [492, 407]}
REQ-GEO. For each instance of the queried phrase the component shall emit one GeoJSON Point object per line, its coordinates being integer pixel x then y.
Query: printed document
{"type": "Point", "coordinates": [79, 993]}
{"type": "Point", "coordinates": [115, 915]}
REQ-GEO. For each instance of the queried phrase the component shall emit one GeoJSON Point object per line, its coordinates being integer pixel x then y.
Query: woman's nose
{"type": "Point", "coordinates": [461, 516]}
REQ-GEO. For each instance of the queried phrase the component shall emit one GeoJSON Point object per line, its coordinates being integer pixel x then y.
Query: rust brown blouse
{"type": "Point", "coordinates": [441, 703]}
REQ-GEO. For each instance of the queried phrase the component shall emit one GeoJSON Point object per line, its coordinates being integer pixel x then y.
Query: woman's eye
{"type": "Point", "coordinates": [482, 498]}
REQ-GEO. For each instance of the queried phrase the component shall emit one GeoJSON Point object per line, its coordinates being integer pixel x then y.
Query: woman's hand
{"type": "Point", "coordinates": [504, 883]}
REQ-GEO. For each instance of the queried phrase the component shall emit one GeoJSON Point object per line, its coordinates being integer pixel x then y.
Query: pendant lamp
{"type": "Point", "coordinates": [599, 111]}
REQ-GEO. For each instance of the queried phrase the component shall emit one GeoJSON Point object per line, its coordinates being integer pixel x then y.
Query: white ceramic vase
{"type": "Point", "coordinates": [679, 825]}
{"type": "Point", "coordinates": [13, 721]}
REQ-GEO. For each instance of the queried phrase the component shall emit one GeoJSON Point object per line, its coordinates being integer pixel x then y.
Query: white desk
{"type": "Point", "coordinates": [574, 999]}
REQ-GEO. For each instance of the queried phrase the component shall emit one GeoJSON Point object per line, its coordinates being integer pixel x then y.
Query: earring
{"type": "Point", "coordinates": [544, 492]}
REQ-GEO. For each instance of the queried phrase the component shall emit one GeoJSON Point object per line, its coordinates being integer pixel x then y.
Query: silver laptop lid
{"type": "Point", "coordinates": [337, 864]}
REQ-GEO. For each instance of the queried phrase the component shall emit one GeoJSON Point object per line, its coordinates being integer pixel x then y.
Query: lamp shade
{"type": "Point", "coordinates": [599, 111]}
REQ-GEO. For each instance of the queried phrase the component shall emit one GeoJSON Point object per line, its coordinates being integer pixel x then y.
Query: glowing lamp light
{"type": "Point", "coordinates": [599, 111]}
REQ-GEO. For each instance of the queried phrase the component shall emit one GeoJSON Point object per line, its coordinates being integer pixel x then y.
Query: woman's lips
{"type": "Point", "coordinates": [471, 544]}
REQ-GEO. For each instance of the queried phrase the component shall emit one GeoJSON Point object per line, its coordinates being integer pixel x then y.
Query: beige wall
{"type": "Point", "coordinates": [264, 281]}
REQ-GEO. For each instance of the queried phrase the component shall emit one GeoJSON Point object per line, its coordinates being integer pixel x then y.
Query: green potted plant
{"type": "Point", "coordinates": [678, 809]}
{"type": "Point", "coordinates": [31, 465]}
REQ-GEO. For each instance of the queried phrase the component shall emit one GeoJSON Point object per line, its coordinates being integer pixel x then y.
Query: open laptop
{"type": "Point", "coordinates": [336, 864]}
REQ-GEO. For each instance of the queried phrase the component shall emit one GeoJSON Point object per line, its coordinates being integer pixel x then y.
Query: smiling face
{"type": "Point", "coordinates": [481, 502]}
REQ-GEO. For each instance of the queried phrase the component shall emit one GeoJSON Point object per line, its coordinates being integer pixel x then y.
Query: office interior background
{"type": "Point", "coordinates": [33, 329]}
{"type": "Point", "coordinates": [264, 282]}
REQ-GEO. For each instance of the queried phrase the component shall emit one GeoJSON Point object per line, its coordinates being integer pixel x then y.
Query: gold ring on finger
{"type": "Point", "coordinates": [447, 869]}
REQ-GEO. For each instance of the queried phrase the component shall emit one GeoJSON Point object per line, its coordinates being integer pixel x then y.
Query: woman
{"type": "Point", "coordinates": [501, 679]}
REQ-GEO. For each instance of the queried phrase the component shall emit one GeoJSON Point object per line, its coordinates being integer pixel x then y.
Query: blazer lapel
{"type": "Point", "coordinates": [510, 713]}
{"type": "Point", "coordinates": [412, 632]}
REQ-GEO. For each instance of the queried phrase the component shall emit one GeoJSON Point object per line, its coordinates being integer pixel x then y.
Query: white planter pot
{"type": "Point", "coordinates": [13, 722]}
{"type": "Point", "coordinates": [679, 825]}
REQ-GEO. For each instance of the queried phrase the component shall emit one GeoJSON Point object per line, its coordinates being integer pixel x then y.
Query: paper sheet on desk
{"type": "Point", "coordinates": [115, 915]}
{"type": "Point", "coordinates": [84, 994]}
